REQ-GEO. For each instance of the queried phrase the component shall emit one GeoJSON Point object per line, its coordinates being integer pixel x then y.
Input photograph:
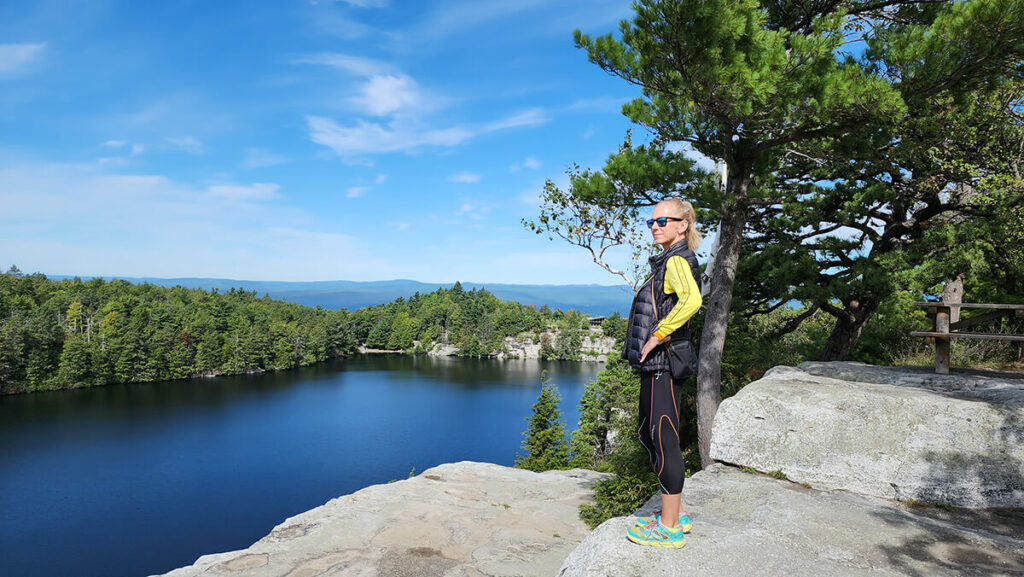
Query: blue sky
{"type": "Point", "coordinates": [298, 140]}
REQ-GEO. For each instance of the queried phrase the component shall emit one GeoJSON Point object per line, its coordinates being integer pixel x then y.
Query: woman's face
{"type": "Point", "coordinates": [673, 231]}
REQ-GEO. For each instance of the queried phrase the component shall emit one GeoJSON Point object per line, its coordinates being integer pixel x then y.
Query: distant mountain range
{"type": "Point", "coordinates": [589, 299]}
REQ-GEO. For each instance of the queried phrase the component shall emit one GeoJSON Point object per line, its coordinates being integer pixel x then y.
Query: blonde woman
{"type": "Point", "coordinates": [660, 313]}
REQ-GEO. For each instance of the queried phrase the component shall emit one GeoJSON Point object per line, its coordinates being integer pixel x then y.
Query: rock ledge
{"type": "Point", "coordinates": [455, 520]}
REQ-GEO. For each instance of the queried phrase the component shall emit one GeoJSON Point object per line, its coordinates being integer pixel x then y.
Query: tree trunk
{"type": "Point", "coordinates": [849, 327]}
{"type": "Point", "coordinates": [716, 321]}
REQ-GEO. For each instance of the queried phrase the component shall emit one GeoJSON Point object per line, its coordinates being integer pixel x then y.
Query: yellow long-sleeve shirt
{"type": "Point", "coordinates": [679, 281]}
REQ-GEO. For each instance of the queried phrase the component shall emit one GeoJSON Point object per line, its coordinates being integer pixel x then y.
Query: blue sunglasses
{"type": "Point", "coordinates": [661, 221]}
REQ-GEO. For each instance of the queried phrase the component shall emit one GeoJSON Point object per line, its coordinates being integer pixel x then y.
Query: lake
{"type": "Point", "coordinates": [133, 480]}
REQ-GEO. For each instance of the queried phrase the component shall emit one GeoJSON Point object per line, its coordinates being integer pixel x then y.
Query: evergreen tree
{"type": "Point", "coordinates": [615, 326]}
{"type": "Point", "coordinates": [544, 440]}
{"type": "Point", "coordinates": [756, 85]}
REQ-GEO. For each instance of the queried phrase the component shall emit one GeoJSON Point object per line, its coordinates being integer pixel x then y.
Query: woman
{"type": "Point", "coordinates": [660, 312]}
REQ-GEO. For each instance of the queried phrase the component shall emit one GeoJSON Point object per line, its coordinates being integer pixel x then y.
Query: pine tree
{"type": "Point", "coordinates": [545, 442]}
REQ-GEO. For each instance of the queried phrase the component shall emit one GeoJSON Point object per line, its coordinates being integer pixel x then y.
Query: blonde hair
{"type": "Point", "coordinates": [684, 210]}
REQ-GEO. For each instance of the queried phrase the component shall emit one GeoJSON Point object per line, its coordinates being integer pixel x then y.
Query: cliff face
{"type": "Point", "coordinates": [594, 346]}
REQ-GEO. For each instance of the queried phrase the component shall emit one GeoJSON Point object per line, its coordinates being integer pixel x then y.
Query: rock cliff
{"type": "Point", "coordinates": [456, 520]}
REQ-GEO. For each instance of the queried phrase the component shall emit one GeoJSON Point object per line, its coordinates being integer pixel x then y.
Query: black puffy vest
{"type": "Point", "coordinates": [650, 305]}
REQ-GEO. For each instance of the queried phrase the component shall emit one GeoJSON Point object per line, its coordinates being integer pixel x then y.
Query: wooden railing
{"type": "Point", "coordinates": [944, 331]}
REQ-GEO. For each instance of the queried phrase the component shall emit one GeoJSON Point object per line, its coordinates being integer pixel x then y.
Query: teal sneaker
{"type": "Point", "coordinates": [657, 535]}
{"type": "Point", "coordinates": [684, 521]}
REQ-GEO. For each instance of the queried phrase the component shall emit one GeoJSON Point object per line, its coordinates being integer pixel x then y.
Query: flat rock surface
{"type": "Point", "coordinates": [753, 525]}
{"type": "Point", "coordinates": [455, 520]}
{"type": "Point", "coordinates": [893, 432]}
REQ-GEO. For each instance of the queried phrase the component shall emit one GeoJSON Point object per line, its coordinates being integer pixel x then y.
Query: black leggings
{"type": "Point", "coordinates": [659, 428]}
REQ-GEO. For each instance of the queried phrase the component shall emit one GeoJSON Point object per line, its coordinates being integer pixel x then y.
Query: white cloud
{"type": "Point", "coordinates": [385, 95]}
{"type": "Point", "coordinates": [406, 136]}
{"type": "Point", "coordinates": [529, 162]}
{"type": "Point", "coordinates": [531, 117]}
{"type": "Point", "coordinates": [188, 144]}
{"type": "Point", "coordinates": [137, 149]}
{"type": "Point", "coordinates": [356, 65]}
{"type": "Point", "coordinates": [473, 210]}
{"type": "Point", "coordinates": [356, 191]}
{"type": "Point", "coordinates": [380, 178]}
{"type": "Point", "coordinates": [113, 144]}
{"type": "Point", "coordinates": [464, 178]}
{"type": "Point", "coordinates": [371, 138]}
{"type": "Point", "coordinates": [14, 57]}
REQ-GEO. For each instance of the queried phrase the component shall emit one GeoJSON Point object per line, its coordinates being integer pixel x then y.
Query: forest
{"type": "Point", "coordinates": [75, 333]}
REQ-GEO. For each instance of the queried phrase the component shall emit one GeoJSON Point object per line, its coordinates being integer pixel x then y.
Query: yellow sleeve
{"type": "Point", "coordinates": [679, 280]}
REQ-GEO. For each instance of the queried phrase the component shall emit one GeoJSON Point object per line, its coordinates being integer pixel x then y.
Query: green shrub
{"type": "Point", "coordinates": [617, 497]}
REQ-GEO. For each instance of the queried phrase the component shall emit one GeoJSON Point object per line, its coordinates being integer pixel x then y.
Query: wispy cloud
{"type": "Point", "coordinates": [357, 65]}
{"type": "Point", "coordinates": [529, 162]}
{"type": "Point", "coordinates": [364, 137]}
{"type": "Point", "coordinates": [252, 192]}
{"type": "Point", "coordinates": [334, 21]}
{"type": "Point", "coordinates": [14, 57]}
{"type": "Point", "coordinates": [453, 17]}
{"type": "Point", "coordinates": [115, 223]}
{"type": "Point", "coordinates": [188, 144]}
{"type": "Point", "coordinates": [531, 117]}
{"type": "Point", "coordinates": [356, 191]}
{"type": "Point", "coordinates": [366, 3]}
{"type": "Point", "coordinates": [464, 178]}
{"type": "Point", "coordinates": [607, 104]}
{"type": "Point", "coordinates": [373, 138]}
{"type": "Point", "coordinates": [380, 178]}
{"type": "Point", "coordinates": [133, 150]}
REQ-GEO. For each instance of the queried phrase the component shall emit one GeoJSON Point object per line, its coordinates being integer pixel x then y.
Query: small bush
{"type": "Point", "coordinates": [617, 497]}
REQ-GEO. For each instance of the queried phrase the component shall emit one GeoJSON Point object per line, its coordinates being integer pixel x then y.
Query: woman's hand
{"type": "Point", "coordinates": [651, 344]}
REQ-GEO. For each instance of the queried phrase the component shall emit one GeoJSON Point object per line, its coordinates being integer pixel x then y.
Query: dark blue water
{"type": "Point", "coordinates": [136, 480]}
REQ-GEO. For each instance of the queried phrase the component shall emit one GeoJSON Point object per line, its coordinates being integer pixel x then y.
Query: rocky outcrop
{"type": "Point", "coordinates": [752, 525]}
{"type": "Point", "coordinates": [891, 432]}
{"type": "Point", "coordinates": [456, 520]}
{"type": "Point", "coordinates": [852, 440]}
{"type": "Point", "coordinates": [594, 346]}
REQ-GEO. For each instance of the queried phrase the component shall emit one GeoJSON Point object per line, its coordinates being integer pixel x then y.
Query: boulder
{"type": "Point", "coordinates": [456, 520]}
{"type": "Point", "coordinates": [753, 525]}
{"type": "Point", "coordinates": [894, 432]}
